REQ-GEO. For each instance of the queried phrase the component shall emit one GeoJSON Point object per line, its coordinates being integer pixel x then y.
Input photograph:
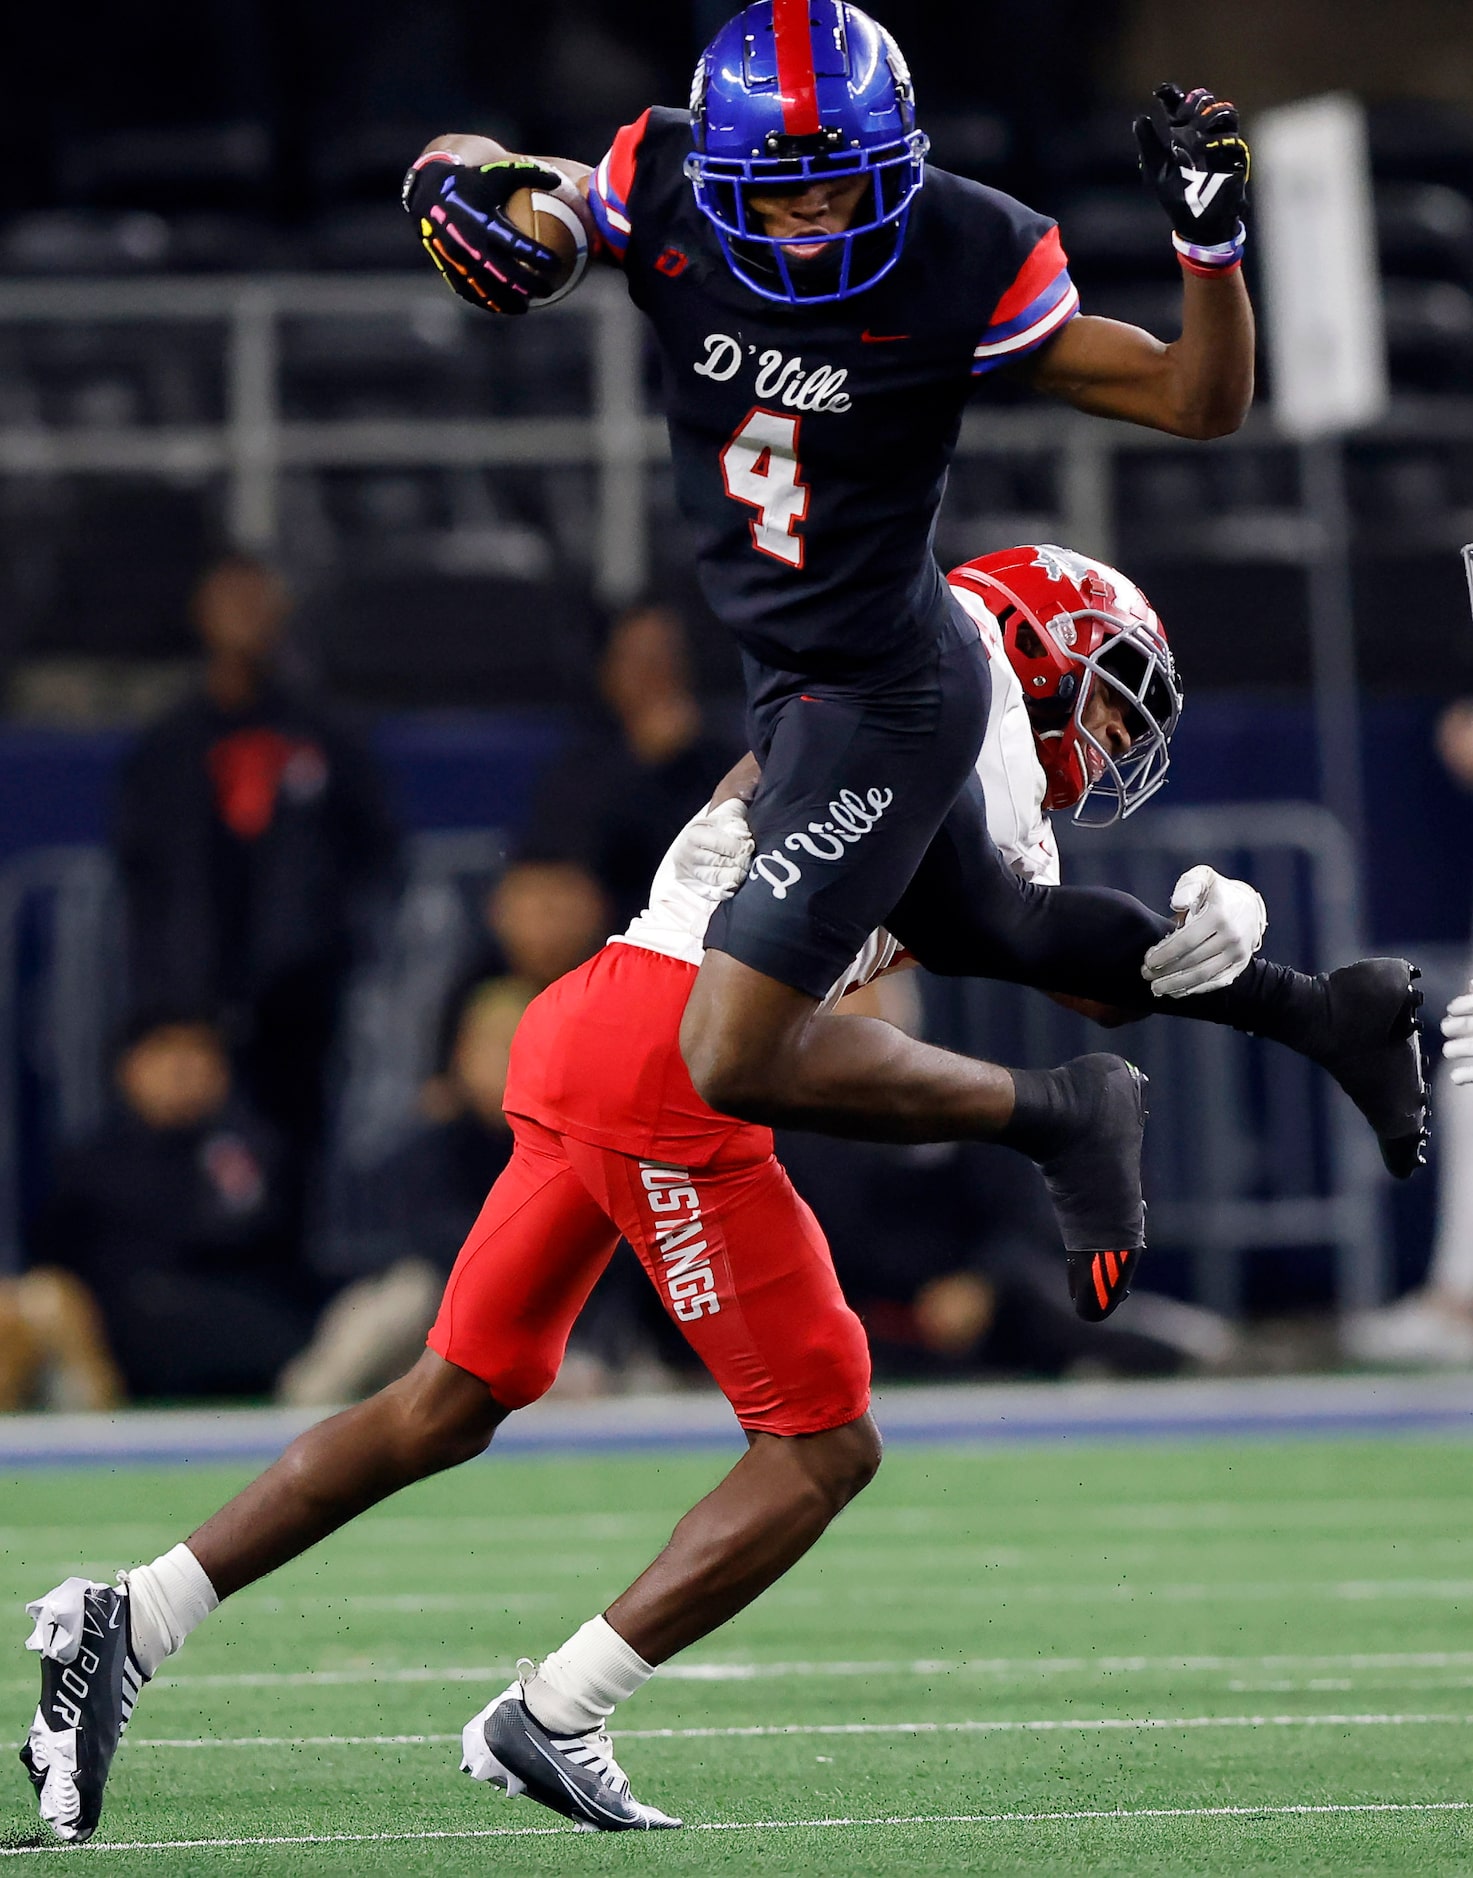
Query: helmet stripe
{"type": "Point", "coordinates": [797, 82]}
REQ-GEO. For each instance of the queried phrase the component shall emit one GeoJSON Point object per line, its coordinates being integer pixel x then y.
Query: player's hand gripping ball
{"type": "Point", "coordinates": [1193, 156]}
{"type": "Point", "coordinates": [494, 240]}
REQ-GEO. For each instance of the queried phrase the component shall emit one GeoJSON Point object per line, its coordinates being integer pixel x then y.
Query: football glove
{"type": "Point", "coordinates": [1457, 1027]}
{"type": "Point", "coordinates": [1192, 155]}
{"type": "Point", "coordinates": [460, 212]}
{"type": "Point", "coordinates": [706, 863]}
{"type": "Point", "coordinates": [1223, 927]}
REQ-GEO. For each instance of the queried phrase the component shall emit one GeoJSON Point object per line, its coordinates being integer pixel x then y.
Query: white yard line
{"type": "Point", "coordinates": [404, 1603]}
{"type": "Point", "coordinates": [96, 1848]}
{"type": "Point", "coordinates": [999, 1668]}
{"type": "Point", "coordinates": [1127, 1590]}
{"type": "Point", "coordinates": [1104, 1724]}
{"type": "Point", "coordinates": [1385, 1519]}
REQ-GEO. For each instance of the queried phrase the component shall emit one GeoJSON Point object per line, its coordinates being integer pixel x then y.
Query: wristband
{"type": "Point", "coordinates": [1211, 262]}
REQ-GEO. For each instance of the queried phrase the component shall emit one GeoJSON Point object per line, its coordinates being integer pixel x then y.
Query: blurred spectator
{"type": "Point", "coordinates": [174, 1215]}
{"type": "Point", "coordinates": [1432, 1327]}
{"type": "Point", "coordinates": [951, 1255]}
{"type": "Point", "coordinates": [619, 797]}
{"type": "Point", "coordinates": [416, 1210]}
{"type": "Point", "coordinates": [252, 831]}
{"type": "Point", "coordinates": [546, 918]}
{"type": "Point", "coordinates": [54, 1351]}
{"type": "Point", "coordinates": [422, 1201]}
{"type": "Point", "coordinates": [541, 919]}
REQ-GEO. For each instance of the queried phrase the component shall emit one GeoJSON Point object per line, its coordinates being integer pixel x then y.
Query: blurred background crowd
{"type": "Point", "coordinates": [354, 683]}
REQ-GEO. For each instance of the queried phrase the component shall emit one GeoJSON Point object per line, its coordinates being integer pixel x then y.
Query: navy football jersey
{"type": "Point", "coordinates": [811, 444]}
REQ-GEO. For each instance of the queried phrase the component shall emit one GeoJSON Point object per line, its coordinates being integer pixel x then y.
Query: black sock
{"type": "Point", "coordinates": [1266, 1000]}
{"type": "Point", "coordinates": [1045, 1111]}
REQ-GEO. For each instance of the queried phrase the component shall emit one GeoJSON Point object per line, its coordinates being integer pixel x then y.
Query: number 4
{"type": "Point", "coordinates": [760, 467]}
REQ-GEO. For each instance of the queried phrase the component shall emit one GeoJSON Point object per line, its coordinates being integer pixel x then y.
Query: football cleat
{"type": "Point", "coordinates": [1098, 1281]}
{"type": "Point", "coordinates": [89, 1682]}
{"type": "Point", "coordinates": [1376, 1055]}
{"type": "Point", "coordinates": [575, 1775]}
{"type": "Point", "coordinates": [1094, 1181]}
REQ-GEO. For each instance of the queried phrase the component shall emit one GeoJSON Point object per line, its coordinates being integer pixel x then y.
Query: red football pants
{"type": "Point", "coordinates": [736, 1255]}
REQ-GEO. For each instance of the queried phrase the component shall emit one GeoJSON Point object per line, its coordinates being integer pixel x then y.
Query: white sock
{"type": "Point", "coordinates": [578, 1687]}
{"type": "Point", "coordinates": [166, 1600]}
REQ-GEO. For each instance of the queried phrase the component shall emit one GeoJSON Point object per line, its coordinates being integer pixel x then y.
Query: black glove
{"type": "Point", "coordinates": [461, 215]}
{"type": "Point", "coordinates": [1198, 164]}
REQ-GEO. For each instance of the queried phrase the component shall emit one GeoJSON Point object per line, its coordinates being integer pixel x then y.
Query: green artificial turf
{"type": "Point", "coordinates": [1057, 1585]}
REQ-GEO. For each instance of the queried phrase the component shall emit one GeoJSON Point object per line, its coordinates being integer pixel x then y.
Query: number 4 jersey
{"type": "Point", "coordinates": [811, 444]}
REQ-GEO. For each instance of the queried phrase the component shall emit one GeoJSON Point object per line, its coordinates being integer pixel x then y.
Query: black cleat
{"type": "Point", "coordinates": [1098, 1281]}
{"type": "Point", "coordinates": [575, 1775]}
{"type": "Point", "coordinates": [1094, 1181]}
{"type": "Point", "coordinates": [1376, 1055]}
{"type": "Point", "coordinates": [89, 1683]}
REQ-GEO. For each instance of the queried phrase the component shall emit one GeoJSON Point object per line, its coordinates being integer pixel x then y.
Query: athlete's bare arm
{"type": "Point", "coordinates": [471, 147]}
{"type": "Point", "coordinates": [1198, 386]}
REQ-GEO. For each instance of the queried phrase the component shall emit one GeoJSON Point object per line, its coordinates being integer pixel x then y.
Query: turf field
{"type": "Point", "coordinates": [1204, 1658]}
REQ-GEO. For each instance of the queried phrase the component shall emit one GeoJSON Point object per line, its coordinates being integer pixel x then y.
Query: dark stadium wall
{"type": "Point", "coordinates": [1262, 52]}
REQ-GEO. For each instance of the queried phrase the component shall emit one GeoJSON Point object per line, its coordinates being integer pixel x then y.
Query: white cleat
{"type": "Point", "coordinates": [90, 1680]}
{"type": "Point", "coordinates": [575, 1775]}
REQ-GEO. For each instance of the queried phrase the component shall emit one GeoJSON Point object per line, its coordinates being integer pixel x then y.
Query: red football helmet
{"type": "Point", "coordinates": [1069, 623]}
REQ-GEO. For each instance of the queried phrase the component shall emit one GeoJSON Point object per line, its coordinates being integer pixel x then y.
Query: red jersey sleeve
{"type": "Point", "coordinates": [1041, 300]}
{"type": "Point", "coordinates": [612, 184]}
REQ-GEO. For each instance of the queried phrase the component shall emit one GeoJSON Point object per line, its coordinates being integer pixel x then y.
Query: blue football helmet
{"type": "Point", "coordinates": [788, 93]}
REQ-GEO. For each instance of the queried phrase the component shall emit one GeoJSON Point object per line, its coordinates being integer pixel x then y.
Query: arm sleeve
{"type": "Point", "coordinates": [1040, 301]}
{"type": "Point", "coordinates": [612, 184]}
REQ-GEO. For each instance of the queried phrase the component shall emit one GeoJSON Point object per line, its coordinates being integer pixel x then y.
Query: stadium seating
{"type": "Point", "coordinates": [415, 640]}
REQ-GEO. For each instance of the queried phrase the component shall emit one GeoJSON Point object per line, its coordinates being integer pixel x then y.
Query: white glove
{"type": "Point", "coordinates": [704, 865]}
{"type": "Point", "coordinates": [1457, 1027]}
{"type": "Point", "coordinates": [712, 854]}
{"type": "Point", "coordinates": [1223, 928]}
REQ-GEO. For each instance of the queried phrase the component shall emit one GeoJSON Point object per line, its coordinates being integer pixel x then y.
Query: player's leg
{"type": "Point", "coordinates": [852, 793]}
{"type": "Point", "coordinates": [853, 789]}
{"type": "Point", "coordinates": [435, 1417]}
{"type": "Point", "coordinates": [524, 1274]}
{"type": "Point", "coordinates": [1081, 1123]}
{"type": "Point", "coordinates": [966, 914]}
{"type": "Point", "coordinates": [742, 1266]}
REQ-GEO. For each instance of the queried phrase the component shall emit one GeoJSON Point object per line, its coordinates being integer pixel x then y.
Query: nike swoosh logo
{"type": "Point", "coordinates": [593, 1802]}
{"type": "Point", "coordinates": [881, 339]}
{"type": "Point", "coordinates": [114, 1620]}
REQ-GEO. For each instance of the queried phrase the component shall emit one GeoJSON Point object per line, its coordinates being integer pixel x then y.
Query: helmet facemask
{"type": "Point", "coordinates": [853, 258]}
{"type": "Point", "coordinates": [1137, 668]}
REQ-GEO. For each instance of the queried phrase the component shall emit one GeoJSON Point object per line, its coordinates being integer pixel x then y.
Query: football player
{"type": "Point", "coordinates": [612, 1137]}
{"type": "Point", "coordinates": [824, 303]}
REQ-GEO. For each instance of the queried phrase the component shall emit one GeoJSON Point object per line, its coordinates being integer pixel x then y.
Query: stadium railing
{"type": "Point", "coordinates": [1248, 1146]}
{"type": "Point", "coordinates": [257, 438]}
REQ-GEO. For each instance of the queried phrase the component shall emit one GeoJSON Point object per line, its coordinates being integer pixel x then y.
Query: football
{"type": "Point", "coordinates": [558, 224]}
